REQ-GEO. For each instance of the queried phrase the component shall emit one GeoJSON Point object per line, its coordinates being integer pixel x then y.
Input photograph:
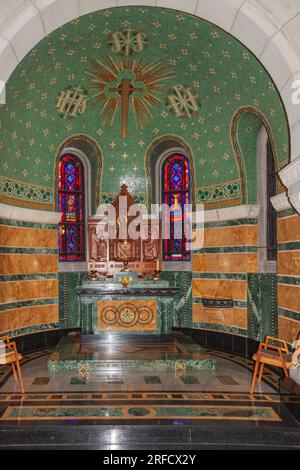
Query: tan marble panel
{"type": "Point", "coordinates": [236, 317]}
{"type": "Point", "coordinates": [288, 229]}
{"type": "Point", "coordinates": [28, 264]}
{"type": "Point", "coordinates": [116, 311]}
{"type": "Point", "coordinates": [288, 328]}
{"type": "Point", "coordinates": [28, 316]}
{"type": "Point", "coordinates": [225, 262]}
{"type": "Point", "coordinates": [24, 237]}
{"type": "Point", "coordinates": [289, 297]}
{"type": "Point", "coordinates": [288, 262]}
{"type": "Point", "coordinates": [28, 290]}
{"type": "Point", "coordinates": [220, 289]}
{"type": "Point", "coordinates": [231, 236]}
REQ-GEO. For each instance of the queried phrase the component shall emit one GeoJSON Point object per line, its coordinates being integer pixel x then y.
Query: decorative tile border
{"type": "Point", "coordinates": [283, 312]}
{"type": "Point", "coordinates": [222, 328]}
{"type": "Point", "coordinates": [32, 329]}
{"type": "Point", "coordinates": [27, 224]}
{"type": "Point", "coordinates": [219, 192]}
{"type": "Point", "coordinates": [219, 303]}
{"type": "Point", "coordinates": [141, 412]}
{"type": "Point", "coordinates": [29, 193]}
{"type": "Point", "coordinates": [227, 249]}
{"type": "Point", "coordinates": [289, 280]}
{"type": "Point", "coordinates": [28, 277]}
{"type": "Point", "coordinates": [28, 303]}
{"type": "Point", "coordinates": [28, 251]}
{"type": "Point", "coordinates": [139, 197]}
{"type": "Point", "coordinates": [226, 223]}
{"type": "Point", "coordinates": [232, 276]}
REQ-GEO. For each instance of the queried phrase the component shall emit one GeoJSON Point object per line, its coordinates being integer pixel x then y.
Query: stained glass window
{"type": "Point", "coordinates": [175, 194]}
{"type": "Point", "coordinates": [71, 205]}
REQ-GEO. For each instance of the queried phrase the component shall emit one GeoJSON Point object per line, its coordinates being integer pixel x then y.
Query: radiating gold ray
{"type": "Point", "coordinates": [106, 70]}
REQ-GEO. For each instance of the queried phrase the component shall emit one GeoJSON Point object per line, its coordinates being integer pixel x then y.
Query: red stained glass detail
{"type": "Point", "coordinates": [71, 205]}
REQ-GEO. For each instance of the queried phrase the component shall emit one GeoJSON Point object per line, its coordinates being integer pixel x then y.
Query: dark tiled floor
{"type": "Point", "coordinates": [226, 380]}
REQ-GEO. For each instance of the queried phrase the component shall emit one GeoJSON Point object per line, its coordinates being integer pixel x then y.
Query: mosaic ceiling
{"type": "Point", "coordinates": [125, 77]}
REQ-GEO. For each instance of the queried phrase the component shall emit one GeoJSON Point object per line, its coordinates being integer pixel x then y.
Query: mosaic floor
{"type": "Point", "coordinates": [138, 397]}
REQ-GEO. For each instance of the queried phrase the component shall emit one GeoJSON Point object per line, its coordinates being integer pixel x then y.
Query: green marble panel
{"type": "Point", "coordinates": [69, 308]}
{"type": "Point", "coordinates": [262, 305]}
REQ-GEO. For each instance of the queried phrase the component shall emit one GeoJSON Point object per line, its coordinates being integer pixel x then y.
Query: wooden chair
{"type": "Point", "coordinates": [273, 355]}
{"type": "Point", "coordinates": [10, 355]}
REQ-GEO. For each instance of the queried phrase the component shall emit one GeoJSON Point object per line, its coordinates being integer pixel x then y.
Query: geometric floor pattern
{"type": "Point", "coordinates": [50, 401]}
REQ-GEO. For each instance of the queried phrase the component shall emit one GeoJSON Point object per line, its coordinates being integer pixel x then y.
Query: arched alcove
{"type": "Point", "coordinates": [156, 153]}
{"type": "Point", "coordinates": [89, 151]}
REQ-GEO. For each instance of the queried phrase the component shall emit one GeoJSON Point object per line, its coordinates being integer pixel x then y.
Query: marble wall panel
{"type": "Point", "coordinates": [225, 262]}
{"type": "Point", "coordinates": [28, 263]}
{"type": "Point", "coordinates": [220, 289]}
{"type": "Point", "coordinates": [27, 290]}
{"type": "Point", "coordinates": [18, 318]}
{"type": "Point", "coordinates": [288, 262]}
{"type": "Point", "coordinates": [236, 317]}
{"type": "Point", "coordinates": [27, 237]}
{"type": "Point", "coordinates": [231, 236]}
{"type": "Point", "coordinates": [288, 328]}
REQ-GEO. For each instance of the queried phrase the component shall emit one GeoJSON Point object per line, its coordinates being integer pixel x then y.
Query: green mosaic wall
{"type": "Point", "coordinates": [223, 77]}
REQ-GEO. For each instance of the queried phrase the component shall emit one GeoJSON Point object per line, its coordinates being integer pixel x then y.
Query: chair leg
{"type": "Point", "coordinates": [14, 372]}
{"type": "Point", "coordinates": [254, 377]}
{"type": "Point", "coordinates": [20, 377]}
{"type": "Point", "coordinates": [285, 371]}
{"type": "Point", "coordinates": [260, 372]}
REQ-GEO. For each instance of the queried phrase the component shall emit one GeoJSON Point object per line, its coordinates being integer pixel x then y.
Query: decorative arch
{"type": "Point", "coordinates": [237, 149]}
{"type": "Point", "coordinates": [159, 148]}
{"type": "Point", "coordinates": [87, 149]}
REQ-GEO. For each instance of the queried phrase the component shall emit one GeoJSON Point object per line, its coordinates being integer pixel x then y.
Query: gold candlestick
{"type": "Point", "coordinates": [92, 276]}
{"type": "Point", "coordinates": [157, 275]}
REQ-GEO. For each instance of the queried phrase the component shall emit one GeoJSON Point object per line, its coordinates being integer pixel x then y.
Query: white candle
{"type": "Point", "coordinates": [93, 266]}
{"type": "Point", "coordinates": [157, 265]}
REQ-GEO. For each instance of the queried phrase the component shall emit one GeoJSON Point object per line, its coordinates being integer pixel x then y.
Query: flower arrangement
{"type": "Point", "coordinates": [125, 281]}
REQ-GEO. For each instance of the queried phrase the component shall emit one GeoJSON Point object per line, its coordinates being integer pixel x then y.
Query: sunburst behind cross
{"type": "Point", "coordinates": [127, 83]}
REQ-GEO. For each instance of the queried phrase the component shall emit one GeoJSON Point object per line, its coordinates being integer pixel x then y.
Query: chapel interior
{"type": "Point", "coordinates": [149, 224]}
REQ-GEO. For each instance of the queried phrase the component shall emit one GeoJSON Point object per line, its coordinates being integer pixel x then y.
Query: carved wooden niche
{"type": "Point", "coordinates": [143, 250]}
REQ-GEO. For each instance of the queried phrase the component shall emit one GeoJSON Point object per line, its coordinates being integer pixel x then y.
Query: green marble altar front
{"type": "Point", "coordinates": [145, 306]}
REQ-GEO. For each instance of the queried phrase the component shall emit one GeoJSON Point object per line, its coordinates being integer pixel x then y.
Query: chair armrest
{"type": "Point", "coordinates": [269, 346]}
{"type": "Point", "coordinates": [277, 340]}
{"type": "Point", "coordinates": [6, 339]}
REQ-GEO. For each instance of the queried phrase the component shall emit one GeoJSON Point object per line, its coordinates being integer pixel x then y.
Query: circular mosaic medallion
{"type": "Point", "coordinates": [145, 315]}
{"type": "Point", "coordinates": [127, 315]}
{"type": "Point", "coordinates": [138, 411]}
{"type": "Point", "coordinates": [108, 315]}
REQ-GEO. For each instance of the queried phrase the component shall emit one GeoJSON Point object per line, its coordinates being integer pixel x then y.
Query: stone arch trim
{"type": "Point", "coordinates": [237, 150]}
{"type": "Point", "coordinates": [160, 144]}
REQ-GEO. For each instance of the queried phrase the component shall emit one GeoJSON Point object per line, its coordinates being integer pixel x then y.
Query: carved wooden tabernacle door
{"type": "Point", "coordinates": [124, 247]}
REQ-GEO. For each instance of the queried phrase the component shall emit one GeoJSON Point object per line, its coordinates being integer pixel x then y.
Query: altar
{"type": "Point", "coordinates": [127, 312]}
{"type": "Point", "coordinates": [146, 306]}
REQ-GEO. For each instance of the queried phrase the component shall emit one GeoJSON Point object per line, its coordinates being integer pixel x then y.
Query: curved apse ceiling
{"type": "Point", "coordinates": [177, 57]}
